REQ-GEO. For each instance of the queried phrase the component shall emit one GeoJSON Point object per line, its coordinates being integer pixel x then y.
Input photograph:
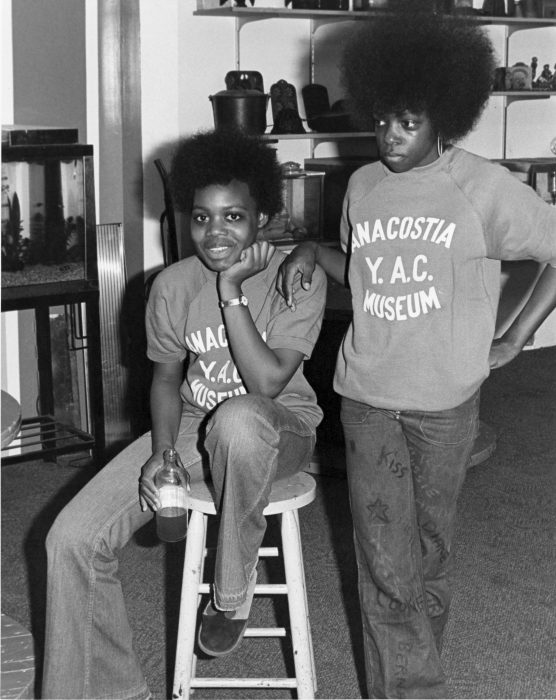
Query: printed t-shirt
{"type": "Point", "coordinates": [183, 320]}
{"type": "Point", "coordinates": [424, 273]}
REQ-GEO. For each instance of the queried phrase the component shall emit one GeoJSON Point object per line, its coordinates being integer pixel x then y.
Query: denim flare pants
{"type": "Point", "coordinates": [248, 442]}
{"type": "Point", "coordinates": [405, 471]}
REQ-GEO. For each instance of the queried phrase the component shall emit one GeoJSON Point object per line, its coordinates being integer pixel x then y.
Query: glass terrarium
{"type": "Point", "coordinates": [301, 217]}
{"type": "Point", "coordinates": [48, 216]}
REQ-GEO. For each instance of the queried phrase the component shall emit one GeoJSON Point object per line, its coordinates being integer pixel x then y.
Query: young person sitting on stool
{"type": "Point", "coordinates": [244, 411]}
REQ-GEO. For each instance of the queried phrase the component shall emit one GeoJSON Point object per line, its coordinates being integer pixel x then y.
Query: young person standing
{"type": "Point", "coordinates": [422, 234]}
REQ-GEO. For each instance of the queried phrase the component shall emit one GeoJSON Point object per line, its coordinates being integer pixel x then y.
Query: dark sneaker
{"type": "Point", "coordinates": [220, 632]}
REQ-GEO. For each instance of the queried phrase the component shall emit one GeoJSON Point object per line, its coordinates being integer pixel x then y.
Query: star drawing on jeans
{"type": "Point", "coordinates": [378, 511]}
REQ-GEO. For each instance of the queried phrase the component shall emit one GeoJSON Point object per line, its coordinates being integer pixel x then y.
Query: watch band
{"type": "Point", "coordinates": [238, 301]}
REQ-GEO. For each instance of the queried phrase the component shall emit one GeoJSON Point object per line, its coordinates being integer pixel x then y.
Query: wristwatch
{"type": "Point", "coordinates": [238, 301]}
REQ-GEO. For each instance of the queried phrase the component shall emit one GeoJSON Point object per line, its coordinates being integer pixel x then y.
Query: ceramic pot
{"type": "Point", "coordinates": [240, 109]}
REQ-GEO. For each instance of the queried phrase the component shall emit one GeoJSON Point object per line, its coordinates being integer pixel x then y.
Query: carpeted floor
{"type": "Point", "coordinates": [501, 638]}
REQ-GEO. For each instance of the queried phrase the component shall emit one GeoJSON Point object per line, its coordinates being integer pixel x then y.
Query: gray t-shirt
{"type": "Point", "coordinates": [183, 320]}
{"type": "Point", "coordinates": [425, 249]}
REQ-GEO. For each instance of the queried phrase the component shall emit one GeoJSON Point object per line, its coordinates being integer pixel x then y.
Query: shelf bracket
{"type": "Point", "coordinates": [510, 99]}
{"type": "Point", "coordinates": [240, 22]}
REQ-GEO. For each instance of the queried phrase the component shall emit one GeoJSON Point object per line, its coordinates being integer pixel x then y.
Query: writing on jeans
{"type": "Point", "coordinates": [439, 544]}
{"type": "Point", "coordinates": [378, 511]}
{"type": "Point", "coordinates": [414, 601]}
{"type": "Point", "coordinates": [388, 459]}
{"type": "Point", "coordinates": [402, 665]}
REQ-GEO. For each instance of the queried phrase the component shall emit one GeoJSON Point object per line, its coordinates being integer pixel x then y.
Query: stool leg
{"type": "Point", "coordinates": [313, 669]}
{"type": "Point", "coordinates": [295, 515]}
{"type": "Point", "coordinates": [201, 579]}
{"type": "Point", "coordinates": [192, 574]}
{"type": "Point", "coordinates": [297, 602]}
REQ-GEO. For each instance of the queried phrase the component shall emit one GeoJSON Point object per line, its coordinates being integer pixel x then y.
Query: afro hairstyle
{"type": "Point", "coordinates": [415, 59]}
{"type": "Point", "coordinates": [220, 156]}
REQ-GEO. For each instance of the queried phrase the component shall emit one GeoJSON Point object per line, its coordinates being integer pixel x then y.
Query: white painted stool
{"type": "Point", "coordinates": [287, 496]}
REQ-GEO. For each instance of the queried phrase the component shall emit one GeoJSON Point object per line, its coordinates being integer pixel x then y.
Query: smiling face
{"type": "Point", "coordinates": [224, 221]}
{"type": "Point", "coordinates": [405, 140]}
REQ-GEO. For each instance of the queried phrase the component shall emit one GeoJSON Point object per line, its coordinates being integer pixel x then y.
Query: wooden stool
{"type": "Point", "coordinates": [287, 496]}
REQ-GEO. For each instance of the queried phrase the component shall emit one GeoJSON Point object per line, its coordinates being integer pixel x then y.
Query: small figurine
{"type": "Point", "coordinates": [534, 64]}
{"type": "Point", "coordinates": [546, 73]}
{"type": "Point", "coordinates": [546, 80]}
{"type": "Point", "coordinates": [283, 98]}
{"type": "Point", "coordinates": [518, 77]}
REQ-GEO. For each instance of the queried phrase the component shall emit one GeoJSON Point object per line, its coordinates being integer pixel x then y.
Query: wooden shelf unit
{"type": "Point", "coordinates": [318, 18]}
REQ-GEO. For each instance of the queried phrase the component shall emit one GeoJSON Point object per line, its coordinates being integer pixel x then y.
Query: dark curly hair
{"type": "Point", "coordinates": [413, 58]}
{"type": "Point", "coordinates": [217, 158]}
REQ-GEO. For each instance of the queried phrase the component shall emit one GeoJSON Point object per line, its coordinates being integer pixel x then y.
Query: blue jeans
{"type": "Point", "coordinates": [249, 442]}
{"type": "Point", "coordinates": [405, 470]}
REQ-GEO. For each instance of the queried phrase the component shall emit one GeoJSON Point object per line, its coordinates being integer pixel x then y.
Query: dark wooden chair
{"type": "Point", "coordinates": [168, 229]}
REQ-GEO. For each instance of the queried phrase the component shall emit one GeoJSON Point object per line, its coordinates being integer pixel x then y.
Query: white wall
{"type": "Point", "coordinates": [9, 323]}
{"type": "Point", "coordinates": [92, 89]}
{"type": "Point", "coordinates": [49, 75]}
{"type": "Point", "coordinates": [160, 97]}
{"type": "Point", "coordinates": [7, 63]}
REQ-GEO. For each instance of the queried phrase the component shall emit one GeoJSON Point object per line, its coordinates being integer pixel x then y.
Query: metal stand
{"type": "Point", "coordinates": [43, 435]}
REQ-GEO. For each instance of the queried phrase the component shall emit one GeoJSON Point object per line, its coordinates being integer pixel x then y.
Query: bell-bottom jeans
{"type": "Point", "coordinates": [405, 470]}
{"type": "Point", "coordinates": [247, 442]}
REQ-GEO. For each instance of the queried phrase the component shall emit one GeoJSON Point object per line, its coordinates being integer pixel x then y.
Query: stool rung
{"type": "Point", "coordinates": [260, 588]}
{"type": "Point", "coordinates": [263, 551]}
{"type": "Point", "coordinates": [265, 632]}
{"type": "Point", "coordinates": [244, 683]}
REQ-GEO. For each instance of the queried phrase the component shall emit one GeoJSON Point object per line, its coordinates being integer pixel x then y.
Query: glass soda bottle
{"type": "Point", "coordinates": [172, 482]}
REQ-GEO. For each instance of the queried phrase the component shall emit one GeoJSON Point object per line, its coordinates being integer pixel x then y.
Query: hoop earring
{"type": "Point", "coordinates": [439, 146]}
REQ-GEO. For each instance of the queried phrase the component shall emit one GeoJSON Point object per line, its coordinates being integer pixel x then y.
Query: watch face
{"type": "Point", "coordinates": [242, 300]}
